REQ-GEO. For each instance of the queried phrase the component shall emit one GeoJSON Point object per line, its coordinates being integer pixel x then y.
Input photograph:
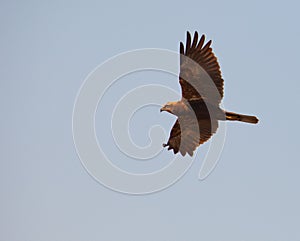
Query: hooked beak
{"type": "Point", "coordinates": [163, 109]}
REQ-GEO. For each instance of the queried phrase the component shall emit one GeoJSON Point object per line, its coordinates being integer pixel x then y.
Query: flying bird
{"type": "Point", "coordinates": [198, 111]}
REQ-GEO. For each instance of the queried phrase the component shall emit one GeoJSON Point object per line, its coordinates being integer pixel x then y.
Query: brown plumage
{"type": "Point", "coordinates": [198, 110]}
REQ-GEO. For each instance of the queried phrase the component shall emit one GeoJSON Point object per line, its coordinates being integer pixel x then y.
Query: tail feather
{"type": "Point", "coordinates": [239, 117]}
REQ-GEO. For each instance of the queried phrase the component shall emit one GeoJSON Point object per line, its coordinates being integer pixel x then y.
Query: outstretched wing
{"type": "Point", "coordinates": [184, 136]}
{"type": "Point", "coordinates": [200, 83]}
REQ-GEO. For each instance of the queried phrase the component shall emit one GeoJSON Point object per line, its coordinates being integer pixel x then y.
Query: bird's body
{"type": "Point", "coordinates": [198, 111]}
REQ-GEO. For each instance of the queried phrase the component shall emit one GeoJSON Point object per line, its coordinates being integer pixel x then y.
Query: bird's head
{"type": "Point", "coordinates": [175, 108]}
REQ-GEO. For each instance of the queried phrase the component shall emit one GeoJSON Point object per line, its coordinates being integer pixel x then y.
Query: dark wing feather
{"type": "Point", "coordinates": [196, 82]}
{"type": "Point", "coordinates": [184, 136]}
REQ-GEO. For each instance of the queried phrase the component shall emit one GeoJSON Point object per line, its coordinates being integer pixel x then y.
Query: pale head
{"type": "Point", "coordinates": [176, 108]}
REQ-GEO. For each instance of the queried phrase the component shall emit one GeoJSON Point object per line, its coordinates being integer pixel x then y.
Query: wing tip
{"type": "Point", "coordinates": [176, 150]}
{"type": "Point", "coordinates": [181, 48]}
{"type": "Point", "coordinates": [188, 34]}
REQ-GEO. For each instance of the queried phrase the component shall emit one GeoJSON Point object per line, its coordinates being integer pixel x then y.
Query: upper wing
{"type": "Point", "coordinates": [184, 136]}
{"type": "Point", "coordinates": [205, 82]}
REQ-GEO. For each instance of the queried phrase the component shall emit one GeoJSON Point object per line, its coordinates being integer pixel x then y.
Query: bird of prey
{"type": "Point", "coordinates": [198, 111]}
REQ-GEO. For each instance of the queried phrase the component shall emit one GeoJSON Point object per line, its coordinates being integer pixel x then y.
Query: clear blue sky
{"type": "Point", "coordinates": [47, 48]}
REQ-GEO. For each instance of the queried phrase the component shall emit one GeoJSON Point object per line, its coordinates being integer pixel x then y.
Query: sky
{"type": "Point", "coordinates": [48, 48]}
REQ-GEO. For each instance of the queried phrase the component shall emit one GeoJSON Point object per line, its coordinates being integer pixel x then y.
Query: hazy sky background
{"type": "Point", "coordinates": [47, 48]}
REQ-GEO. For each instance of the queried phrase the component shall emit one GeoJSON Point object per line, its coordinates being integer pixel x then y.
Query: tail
{"type": "Point", "coordinates": [238, 117]}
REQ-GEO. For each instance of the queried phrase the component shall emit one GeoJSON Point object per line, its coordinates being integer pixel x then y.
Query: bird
{"type": "Point", "coordinates": [202, 86]}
